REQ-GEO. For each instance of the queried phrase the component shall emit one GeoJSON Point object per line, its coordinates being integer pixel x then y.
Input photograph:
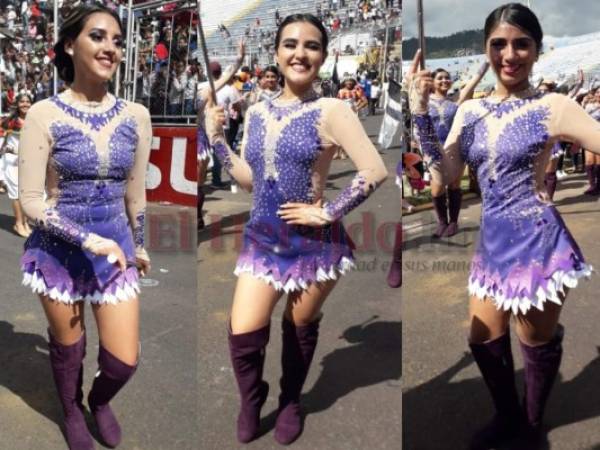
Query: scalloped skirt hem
{"type": "Point", "coordinates": [555, 285]}
{"type": "Point", "coordinates": [291, 284]}
{"type": "Point", "coordinates": [113, 294]}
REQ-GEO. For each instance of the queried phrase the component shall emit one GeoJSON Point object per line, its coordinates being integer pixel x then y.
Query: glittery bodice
{"type": "Point", "coordinates": [88, 160]}
{"type": "Point", "coordinates": [281, 151]}
{"type": "Point", "coordinates": [502, 142]}
{"type": "Point", "coordinates": [442, 112]}
{"type": "Point", "coordinates": [287, 151]}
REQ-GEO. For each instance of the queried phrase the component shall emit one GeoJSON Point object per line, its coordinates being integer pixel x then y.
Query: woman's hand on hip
{"type": "Point", "coordinates": [304, 214]}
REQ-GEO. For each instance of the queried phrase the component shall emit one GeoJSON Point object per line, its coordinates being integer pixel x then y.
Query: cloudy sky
{"type": "Point", "coordinates": [444, 17]}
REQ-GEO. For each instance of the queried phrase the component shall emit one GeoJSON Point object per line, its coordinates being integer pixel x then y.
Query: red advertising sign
{"type": "Point", "coordinates": [172, 173]}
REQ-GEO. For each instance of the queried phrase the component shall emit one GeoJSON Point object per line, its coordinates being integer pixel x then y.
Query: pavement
{"type": "Point", "coordinates": [445, 399]}
{"type": "Point", "coordinates": [156, 409]}
{"type": "Point", "coordinates": [353, 394]}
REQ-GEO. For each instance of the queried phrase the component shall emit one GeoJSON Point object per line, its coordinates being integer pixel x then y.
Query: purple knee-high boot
{"type": "Point", "coordinates": [394, 277]}
{"type": "Point", "coordinates": [454, 203]}
{"type": "Point", "coordinates": [67, 369]}
{"type": "Point", "coordinates": [112, 376]}
{"type": "Point", "coordinates": [592, 172]}
{"type": "Point", "coordinates": [248, 358]}
{"type": "Point", "coordinates": [299, 343]}
{"type": "Point", "coordinates": [550, 180]}
{"type": "Point", "coordinates": [495, 361]}
{"type": "Point", "coordinates": [541, 367]}
{"type": "Point", "coordinates": [441, 211]}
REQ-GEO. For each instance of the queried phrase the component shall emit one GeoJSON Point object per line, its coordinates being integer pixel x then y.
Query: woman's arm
{"type": "Point", "coordinates": [34, 157]}
{"type": "Point", "coordinates": [466, 93]}
{"type": "Point", "coordinates": [342, 127]}
{"type": "Point", "coordinates": [235, 165]}
{"type": "Point", "coordinates": [447, 162]}
{"type": "Point", "coordinates": [231, 70]}
{"type": "Point", "coordinates": [135, 194]}
{"type": "Point", "coordinates": [35, 149]}
{"type": "Point", "coordinates": [572, 123]}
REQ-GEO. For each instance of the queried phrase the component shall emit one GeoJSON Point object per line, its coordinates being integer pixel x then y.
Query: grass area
{"type": "Point", "coordinates": [424, 196]}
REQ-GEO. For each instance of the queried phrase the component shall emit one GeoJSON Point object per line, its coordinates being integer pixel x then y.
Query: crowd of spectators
{"type": "Point", "coordinates": [168, 67]}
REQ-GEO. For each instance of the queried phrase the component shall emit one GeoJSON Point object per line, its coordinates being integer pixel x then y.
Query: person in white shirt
{"type": "Point", "coordinates": [178, 83]}
{"type": "Point", "coordinates": [190, 91]}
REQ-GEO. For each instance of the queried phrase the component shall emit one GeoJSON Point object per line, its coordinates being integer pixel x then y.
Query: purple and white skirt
{"type": "Point", "coordinates": [290, 258]}
{"type": "Point", "coordinates": [525, 264]}
{"type": "Point", "coordinates": [203, 145]}
{"type": "Point", "coordinates": [66, 273]}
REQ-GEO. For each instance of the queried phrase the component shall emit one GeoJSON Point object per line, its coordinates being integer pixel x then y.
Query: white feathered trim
{"type": "Point", "coordinates": [122, 294]}
{"type": "Point", "coordinates": [556, 285]}
{"type": "Point", "coordinates": [291, 285]}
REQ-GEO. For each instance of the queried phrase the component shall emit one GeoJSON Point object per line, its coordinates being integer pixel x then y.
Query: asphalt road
{"type": "Point", "coordinates": [158, 408]}
{"type": "Point", "coordinates": [353, 392]}
{"type": "Point", "coordinates": [445, 399]}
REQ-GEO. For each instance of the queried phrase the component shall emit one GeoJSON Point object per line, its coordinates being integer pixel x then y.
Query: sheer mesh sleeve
{"type": "Point", "coordinates": [341, 127]}
{"type": "Point", "coordinates": [34, 158]}
{"type": "Point", "coordinates": [572, 123]}
{"type": "Point", "coordinates": [135, 195]}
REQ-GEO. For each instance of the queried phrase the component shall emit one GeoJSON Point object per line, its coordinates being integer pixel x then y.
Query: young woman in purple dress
{"type": "Point", "coordinates": [294, 242]}
{"type": "Point", "coordinates": [526, 259]}
{"type": "Point", "coordinates": [82, 167]}
{"type": "Point", "coordinates": [447, 199]}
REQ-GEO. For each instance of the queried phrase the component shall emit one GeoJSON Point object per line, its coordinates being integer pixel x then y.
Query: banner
{"type": "Point", "coordinates": [172, 173]}
{"type": "Point", "coordinates": [392, 120]}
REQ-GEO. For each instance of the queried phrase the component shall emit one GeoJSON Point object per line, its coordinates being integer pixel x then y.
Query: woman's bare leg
{"type": "Point", "coordinates": [65, 321]}
{"type": "Point", "coordinates": [118, 329]}
{"type": "Point", "coordinates": [539, 327]}
{"type": "Point", "coordinates": [304, 307]}
{"type": "Point", "coordinates": [487, 322]}
{"type": "Point", "coordinates": [253, 303]}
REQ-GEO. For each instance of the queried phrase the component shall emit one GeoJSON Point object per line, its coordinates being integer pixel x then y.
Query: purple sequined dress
{"type": "Point", "coordinates": [287, 256]}
{"type": "Point", "coordinates": [442, 112]}
{"type": "Point", "coordinates": [86, 195]}
{"type": "Point", "coordinates": [525, 255]}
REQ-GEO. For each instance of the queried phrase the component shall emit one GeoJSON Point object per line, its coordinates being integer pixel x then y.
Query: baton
{"type": "Point", "coordinates": [421, 33]}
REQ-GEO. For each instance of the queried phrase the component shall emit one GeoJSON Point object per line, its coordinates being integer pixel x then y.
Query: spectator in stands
{"type": "Point", "coordinates": [176, 88]}
{"type": "Point", "coordinates": [191, 88]}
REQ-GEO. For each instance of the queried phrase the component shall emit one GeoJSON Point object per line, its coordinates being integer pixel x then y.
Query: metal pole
{"type": "Point", "coordinates": [211, 82]}
{"type": "Point", "coordinates": [136, 62]}
{"type": "Point", "coordinates": [385, 51]}
{"type": "Point", "coordinates": [55, 88]}
{"type": "Point", "coordinates": [168, 85]}
{"type": "Point", "coordinates": [187, 58]}
{"type": "Point", "coordinates": [128, 50]}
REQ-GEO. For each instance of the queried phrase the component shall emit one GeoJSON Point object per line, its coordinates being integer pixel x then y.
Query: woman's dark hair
{"type": "Point", "coordinates": [519, 16]}
{"type": "Point", "coordinates": [15, 110]}
{"type": "Point", "coordinates": [303, 18]}
{"type": "Point", "coordinates": [70, 29]}
{"type": "Point", "coordinates": [272, 69]}
{"type": "Point", "coordinates": [440, 70]}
